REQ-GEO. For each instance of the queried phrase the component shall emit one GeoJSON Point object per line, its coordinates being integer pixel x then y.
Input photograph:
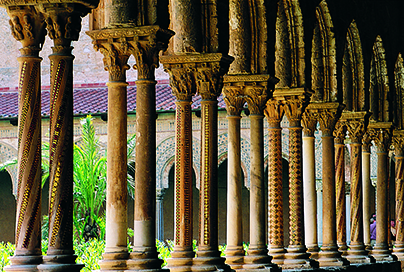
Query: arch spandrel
{"type": "Point", "coordinates": [353, 76]}
{"type": "Point", "coordinates": [323, 57]}
{"type": "Point", "coordinates": [399, 94]}
{"type": "Point", "coordinates": [289, 46]}
{"type": "Point", "coordinates": [379, 83]}
{"type": "Point", "coordinates": [9, 153]}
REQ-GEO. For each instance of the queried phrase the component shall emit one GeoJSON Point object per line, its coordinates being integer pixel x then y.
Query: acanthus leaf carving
{"type": "Point", "coordinates": [309, 123]}
{"type": "Point", "coordinates": [381, 137]}
{"type": "Point", "coordinates": [234, 99]}
{"type": "Point", "coordinates": [327, 119]}
{"type": "Point", "coordinates": [398, 143]}
{"type": "Point", "coordinates": [115, 59]}
{"type": "Point", "coordinates": [274, 112]}
{"type": "Point", "coordinates": [356, 130]}
{"type": "Point", "coordinates": [294, 108]}
{"type": "Point", "coordinates": [257, 97]}
{"type": "Point", "coordinates": [366, 142]}
{"type": "Point", "coordinates": [339, 132]}
{"type": "Point", "coordinates": [182, 80]}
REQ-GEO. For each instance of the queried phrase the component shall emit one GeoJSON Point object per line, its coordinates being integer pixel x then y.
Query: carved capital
{"type": "Point", "coordinates": [294, 108]}
{"type": "Point", "coordinates": [28, 27]}
{"type": "Point", "coordinates": [234, 99]}
{"type": "Point", "coordinates": [356, 129]}
{"type": "Point", "coordinates": [398, 142]}
{"type": "Point", "coordinates": [309, 123]}
{"type": "Point", "coordinates": [366, 142]}
{"type": "Point", "coordinates": [115, 59]}
{"type": "Point", "coordinates": [274, 112]}
{"type": "Point", "coordinates": [339, 132]}
{"type": "Point", "coordinates": [256, 97]}
{"type": "Point", "coordinates": [327, 115]}
{"type": "Point", "coordinates": [381, 137]}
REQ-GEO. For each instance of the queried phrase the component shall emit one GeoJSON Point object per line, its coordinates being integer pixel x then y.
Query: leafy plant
{"type": "Point", "coordinates": [6, 251]}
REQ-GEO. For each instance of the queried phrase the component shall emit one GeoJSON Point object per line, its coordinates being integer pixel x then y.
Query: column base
{"type": "Point", "coordinates": [145, 259]}
{"type": "Point", "coordinates": [357, 254]}
{"type": "Point", "coordinates": [381, 253]}
{"type": "Point", "coordinates": [313, 251]}
{"type": "Point", "coordinates": [343, 248]}
{"type": "Point", "coordinates": [277, 254]}
{"type": "Point", "coordinates": [181, 260]}
{"type": "Point", "coordinates": [235, 257]}
{"type": "Point", "coordinates": [113, 261]}
{"type": "Point", "coordinates": [398, 251]}
{"type": "Point", "coordinates": [257, 258]}
{"type": "Point", "coordinates": [330, 256]}
{"type": "Point", "coordinates": [297, 258]}
{"type": "Point", "coordinates": [24, 263]}
{"type": "Point", "coordinates": [209, 260]}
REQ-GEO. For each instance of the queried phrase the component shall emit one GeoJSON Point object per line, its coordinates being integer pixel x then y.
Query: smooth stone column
{"type": "Point", "coordinates": [357, 253]}
{"type": "Point", "coordinates": [63, 26]}
{"type": "Point", "coordinates": [234, 100]}
{"type": "Point", "coordinates": [398, 142]}
{"type": "Point", "coordinates": [329, 254]}
{"type": "Point", "coordinates": [381, 250]}
{"type": "Point", "coordinates": [274, 112]}
{"type": "Point", "coordinates": [339, 134]}
{"type": "Point", "coordinates": [160, 214]}
{"type": "Point", "coordinates": [366, 185]}
{"type": "Point", "coordinates": [28, 253]}
{"type": "Point", "coordinates": [309, 123]}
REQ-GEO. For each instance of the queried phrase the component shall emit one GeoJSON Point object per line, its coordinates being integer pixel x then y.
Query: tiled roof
{"type": "Point", "coordinates": [95, 100]}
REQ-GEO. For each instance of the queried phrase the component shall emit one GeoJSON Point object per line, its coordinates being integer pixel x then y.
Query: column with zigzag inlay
{"type": "Point", "coordinates": [398, 143]}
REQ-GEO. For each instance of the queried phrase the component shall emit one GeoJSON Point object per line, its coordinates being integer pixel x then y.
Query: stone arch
{"type": "Point", "coordinates": [7, 154]}
{"type": "Point", "coordinates": [323, 57]}
{"type": "Point", "coordinates": [399, 99]}
{"type": "Point", "coordinates": [289, 45]}
{"type": "Point", "coordinates": [165, 153]}
{"type": "Point", "coordinates": [379, 83]}
{"type": "Point", "coordinates": [353, 76]}
{"type": "Point", "coordinates": [7, 208]}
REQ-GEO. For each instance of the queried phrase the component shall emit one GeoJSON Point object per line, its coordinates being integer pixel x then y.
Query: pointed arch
{"type": "Point", "coordinates": [289, 45]}
{"type": "Point", "coordinates": [379, 83]}
{"type": "Point", "coordinates": [353, 76]}
{"type": "Point", "coordinates": [399, 85]}
{"type": "Point", "coordinates": [323, 57]}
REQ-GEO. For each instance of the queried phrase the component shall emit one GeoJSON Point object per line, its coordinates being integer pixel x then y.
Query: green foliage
{"type": "Point", "coordinates": [6, 251]}
{"type": "Point", "coordinates": [89, 253]}
{"type": "Point", "coordinates": [165, 249]}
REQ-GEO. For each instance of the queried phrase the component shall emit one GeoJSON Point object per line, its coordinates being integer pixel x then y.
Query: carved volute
{"type": "Point", "coordinates": [234, 99]}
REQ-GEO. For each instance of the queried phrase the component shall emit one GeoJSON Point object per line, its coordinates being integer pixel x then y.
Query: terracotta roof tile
{"type": "Point", "coordinates": [94, 99]}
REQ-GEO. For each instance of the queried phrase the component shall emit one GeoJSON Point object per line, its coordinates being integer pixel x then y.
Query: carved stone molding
{"type": "Point", "coordinates": [398, 142]}
{"type": "Point", "coordinates": [327, 115]}
{"type": "Point", "coordinates": [28, 27]}
{"type": "Point", "coordinates": [366, 142]}
{"type": "Point", "coordinates": [339, 132]}
{"type": "Point", "coordinates": [356, 124]}
{"type": "Point", "coordinates": [234, 99]}
{"type": "Point", "coordinates": [380, 133]}
{"type": "Point", "coordinates": [118, 44]}
{"type": "Point", "coordinates": [274, 112]}
{"type": "Point", "coordinates": [91, 4]}
{"type": "Point", "coordinates": [309, 123]}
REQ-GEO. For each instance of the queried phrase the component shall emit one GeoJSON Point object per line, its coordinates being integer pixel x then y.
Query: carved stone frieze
{"type": "Point", "coordinates": [380, 133]}
{"type": "Point", "coordinates": [28, 27]}
{"type": "Point", "coordinates": [234, 99]}
{"type": "Point", "coordinates": [398, 142]}
{"type": "Point", "coordinates": [274, 112]}
{"type": "Point", "coordinates": [309, 123]}
{"type": "Point", "coordinates": [339, 132]}
{"type": "Point", "coordinates": [196, 72]}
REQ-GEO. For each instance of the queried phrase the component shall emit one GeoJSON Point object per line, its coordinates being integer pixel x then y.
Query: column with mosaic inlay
{"type": "Point", "coordinates": [182, 70]}
{"type": "Point", "coordinates": [210, 71]}
{"type": "Point", "coordinates": [381, 135]}
{"type": "Point", "coordinates": [27, 27]}
{"type": "Point", "coordinates": [356, 126]}
{"type": "Point", "coordinates": [63, 23]}
{"type": "Point", "coordinates": [339, 144]}
{"type": "Point", "coordinates": [309, 123]}
{"type": "Point", "coordinates": [256, 91]}
{"type": "Point", "coordinates": [398, 143]}
{"type": "Point", "coordinates": [115, 62]}
{"type": "Point", "coordinates": [233, 97]}
{"type": "Point", "coordinates": [366, 185]}
{"type": "Point", "coordinates": [328, 114]}
{"type": "Point", "coordinates": [296, 257]}
{"type": "Point", "coordinates": [146, 44]}
{"type": "Point", "coordinates": [274, 112]}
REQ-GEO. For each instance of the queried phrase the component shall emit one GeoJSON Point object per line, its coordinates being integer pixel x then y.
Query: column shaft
{"type": "Point", "coordinates": [366, 184]}
{"type": "Point", "coordinates": [399, 244]}
{"type": "Point", "coordinates": [340, 196]}
{"type": "Point", "coordinates": [234, 251]}
{"type": "Point", "coordinates": [160, 214]}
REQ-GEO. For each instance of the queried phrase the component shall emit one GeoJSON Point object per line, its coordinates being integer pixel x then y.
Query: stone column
{"type": "Point", "coordinates": [146, 46]}
{"type": "Point", "coordinates": [63, 26]}
{"type": "Point", "coordinates": [381, 136]}
{"type": "Point", "coordinates": [27, 27]}
{"type": "Point", "coordinates": [160, 213]}
{"type": "Point", "coordinates": [115, 62]}
{"type": "Point", "coordinates": [329, 255]}
{"type": "Point", "coordinates": [274, 112]}
{"type": "Point", "coordinates": [398, 143]}
{"type": "Point", "coordinates": [309, 123]}
{"type": "Point", "coordinates": [233, 97]}
{"type": "Point", "coordinates": [210, 71]}
{"type": "Point", "coordinates": [339, 139]}
{"type": "Point", "coordinates": [296, 256]}
{"type": "Point", "coordinates": [366, 184]}
{"type": "Point", "coordinates": [182, 81]}
{"type": "Point", "coordinates": [356, 129]}
{"type": "Point", "coordinates": [256, 94]}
